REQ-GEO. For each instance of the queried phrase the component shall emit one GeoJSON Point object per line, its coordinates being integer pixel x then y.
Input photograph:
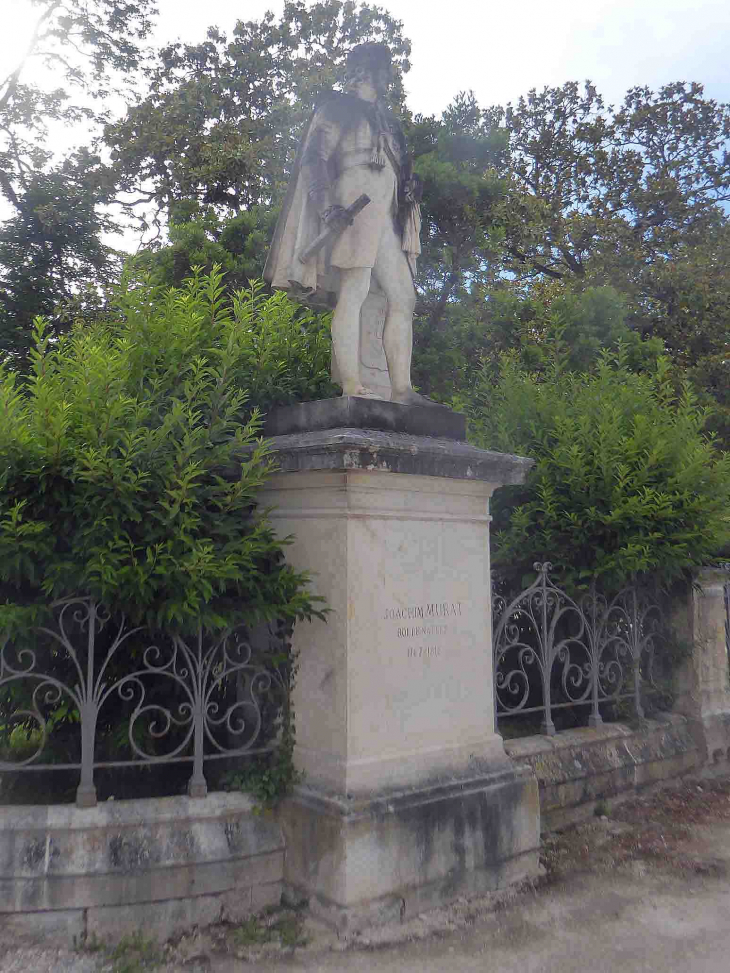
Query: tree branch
{"type": "Point", "coordinates": [9, 190]}
{"type": "Point", "coordinates": [12, 81]}
{"type": "Point", "coordinates": [523, 258]}
{"type": "Point", "coordinates": [446, 291]}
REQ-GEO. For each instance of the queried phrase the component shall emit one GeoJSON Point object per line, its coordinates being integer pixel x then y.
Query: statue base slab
{"type": "Point", "coordinates": [351, 411]}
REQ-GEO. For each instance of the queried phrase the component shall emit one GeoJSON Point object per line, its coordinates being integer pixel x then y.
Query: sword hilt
{"type": "Point", "coordinates": [333, 231]}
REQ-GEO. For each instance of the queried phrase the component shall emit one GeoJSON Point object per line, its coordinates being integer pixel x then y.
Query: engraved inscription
{"type": "Point", "coordinates": [424, 651]}
{"type": "Point", "coordinates": [430, 631]}
{"type": "Point", "coordinates": [418, 631]}
{"type": "Point", "coordinates": [435, 609]}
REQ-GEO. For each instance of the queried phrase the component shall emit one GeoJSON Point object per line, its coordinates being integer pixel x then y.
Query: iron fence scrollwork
{"type": "Point", "coordinates": [171, 699]}
{"type": "Point", "coordinates": [554, 652]}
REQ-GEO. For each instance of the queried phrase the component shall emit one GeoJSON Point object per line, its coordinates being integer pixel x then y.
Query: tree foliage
{"type": "Point", "coordinates": [199, 236]}
{"type": "Point", "coordinates": [630, 198]}
{"type": "Point", "coordinates": [222, 119]}
{"type": "Point", "coordinates": [600, 191]}
{"type": "Point", "coordinates": [460, 158]}
{"type": "Point", "coordinates": [129, 463]}
{"type": "Point", "coordinates": [50, 246]}
{"type": "Point", "coordinates": [625, 479]}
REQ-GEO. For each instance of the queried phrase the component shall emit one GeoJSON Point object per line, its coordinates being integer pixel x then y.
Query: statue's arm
{"type": "Point", "coordinates": [322, 140]}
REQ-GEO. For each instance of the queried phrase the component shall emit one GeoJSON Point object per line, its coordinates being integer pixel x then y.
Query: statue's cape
{"type": "Point", "coordinates": [316, 281]}
{"type": "Point", "coordinates": [297, 226]}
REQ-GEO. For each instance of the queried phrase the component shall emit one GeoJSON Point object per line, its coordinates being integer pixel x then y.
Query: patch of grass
{"type": "Point", "coordinates": [251, 933]}
{"type": "Point", "coordinates": [286, 930]}
{"type": "Point", "coordinates": [289, 929]}
{"type": "Point", "coordinates": [135, 954]}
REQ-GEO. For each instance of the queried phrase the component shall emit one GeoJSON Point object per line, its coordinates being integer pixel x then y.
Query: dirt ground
{"type": "Point", "coordinates": [644, 887]}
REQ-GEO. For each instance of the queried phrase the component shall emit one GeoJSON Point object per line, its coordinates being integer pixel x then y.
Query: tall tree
{"type": "Point", "coordinates": [50, 246]}
{"type": "Point", "coordinates": [599, 192]}
{"type": "Point", "coordinates": [634, 198]}
{"type": "Point", "coordinates": [222, 119]}
{"type": "Point", "coordinates": [460, 158]}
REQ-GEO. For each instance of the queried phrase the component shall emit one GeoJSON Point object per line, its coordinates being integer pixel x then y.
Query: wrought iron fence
{"type": "Point", "coordinates": [552, 652]}
{"type": "Point", "coordinates": [88, 684]}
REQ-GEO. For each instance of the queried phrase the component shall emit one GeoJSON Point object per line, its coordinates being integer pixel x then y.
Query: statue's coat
{"type": "Point", "coordinates": [299, 222]}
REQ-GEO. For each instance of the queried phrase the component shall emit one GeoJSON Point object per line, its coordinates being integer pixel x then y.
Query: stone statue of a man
{"type": "Point", "coordinates": [354, 145]}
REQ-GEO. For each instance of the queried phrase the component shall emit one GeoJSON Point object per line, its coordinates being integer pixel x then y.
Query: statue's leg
{"type": "Point", "coordinates": [394, 276]}
{"type": "Point", "coordinates": [392, 273]}
{"type": "Point", "coordinates": [354, 287]}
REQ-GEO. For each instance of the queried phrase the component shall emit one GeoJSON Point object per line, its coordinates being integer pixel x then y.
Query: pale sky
{"type": "Point", "coordinates": [500, 50]}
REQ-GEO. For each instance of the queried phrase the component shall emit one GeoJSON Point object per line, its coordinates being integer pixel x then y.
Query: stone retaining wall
{"type": "Point", "coordinates": [155, 866]}
{"type": "Point", "coordinates": [578, 768]}
{"type": "Point", "coordinates": [160, 866]}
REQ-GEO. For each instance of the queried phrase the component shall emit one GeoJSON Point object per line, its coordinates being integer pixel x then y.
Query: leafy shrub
{"type": "Point", "coordinates": [625, 480]}
{"type": "Point", "coordinates": [286, 350]}
{"type": "Point", "coordinates": [124, 465]}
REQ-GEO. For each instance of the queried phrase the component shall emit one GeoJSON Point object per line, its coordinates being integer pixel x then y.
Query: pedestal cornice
{"type": "Point", "coordinates": [372, 449]}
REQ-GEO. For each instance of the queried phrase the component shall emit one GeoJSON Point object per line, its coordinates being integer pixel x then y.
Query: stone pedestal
{"type": "Point", "coordinates": [409, 798]}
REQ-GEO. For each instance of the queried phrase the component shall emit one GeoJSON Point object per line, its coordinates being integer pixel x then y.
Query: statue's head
{"type": "Point", "coordinates": [369, 63]}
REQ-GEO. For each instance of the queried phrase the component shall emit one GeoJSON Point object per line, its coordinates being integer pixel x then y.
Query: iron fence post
{"type": "Point", "coordinates": [86, 791]}
{"type": "Point", "coordinates": [637, 646]}
{"type": "Point", "coordinates": [547, 727]}
{"type": "Point", "coordinates": [595, 641]}
{"type": "Point", "coordinates": [197, 785]}
{"type": "Point", "coordinates": [726, 568]}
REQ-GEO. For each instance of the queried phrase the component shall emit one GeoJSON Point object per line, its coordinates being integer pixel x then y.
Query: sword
{"type": "Point", "coordinates": [334, 229]}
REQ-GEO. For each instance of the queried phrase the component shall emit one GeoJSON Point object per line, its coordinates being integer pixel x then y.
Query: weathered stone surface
{"type": "Point", "coordinates": [389, 452]}
{"type": "Point", "coordinates": [158, 922]}
{"type": "Point", "coordinates": [135, 858]}
{"type": "Point", "coordinates": [349, 411]}
{"type": "Point", "coordinates": [394, 691]}
{"type": "Point", "coordinates": [703, 681]}
{"type": "Point", "coordinates": [263, 897]}
{"type": "Point", "coordinates": [63, 927]}
{"type": "Point", "coordinates": [395, 688]}
{"type": "Point", "coordinates": [576, 768]}
{"type": "Point", "coordinates": [366, 862]}
{"type": "Point", "coordinates": [373, 363]}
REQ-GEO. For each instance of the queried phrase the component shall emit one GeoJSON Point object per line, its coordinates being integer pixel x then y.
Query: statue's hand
{"type": "Point", "coordinates": [334, 215]}
{"type": "Point", "coordinates": [413, 189]}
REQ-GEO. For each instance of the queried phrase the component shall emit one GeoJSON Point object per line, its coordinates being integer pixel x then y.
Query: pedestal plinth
{"type": "Point", "coordinates": [409, 798]}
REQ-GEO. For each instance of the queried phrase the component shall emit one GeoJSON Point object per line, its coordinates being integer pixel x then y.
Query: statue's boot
{"type": "Point", "coordinates": [362, 392]}
{"type": "Point", "coordinates": [409, 397]}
